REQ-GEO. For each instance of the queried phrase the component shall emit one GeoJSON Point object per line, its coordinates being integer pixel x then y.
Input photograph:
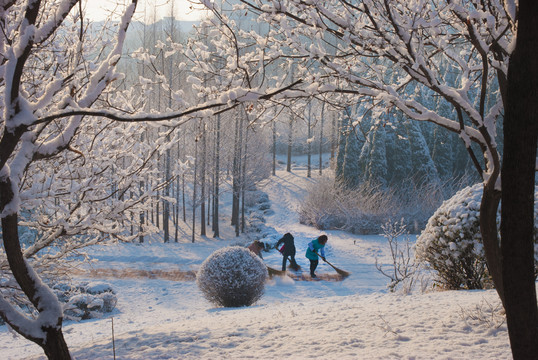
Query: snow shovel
{"type": "Point", "coordinates": [344, 274]}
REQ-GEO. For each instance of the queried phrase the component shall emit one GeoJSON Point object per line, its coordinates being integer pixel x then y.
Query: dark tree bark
{"type": "Point", "coordinates": [321, 138]}
{"type": "Point", "coordinates": [176, 233]}
{"type": "Point", "coordinates": [54, 344]}
{"type": "Point", "coordinates": [216, 230]}
{"type": "Point", "coordinates": [334, 137]}
{"type": "Point", "coordinates": [309, 143]}
{"type": "Point", "coordinates": [243, 180]}
{"type": "Point", "coordinates": [166, 204]}
{"type": "Point", "coordinates": [290, 144]}
{"type": "Point", "coordinates": [274, 147]}
{"type": "Point", "coordinates": [488, 229]}
{"type": "Point", "coordinates": [235, 176]}
{"type": "Point", "coordinates": [194, 187]}
{"type": "Point", "coordinates": [518, 172]}
{"type": "Point", "coordinates": [203, 181]}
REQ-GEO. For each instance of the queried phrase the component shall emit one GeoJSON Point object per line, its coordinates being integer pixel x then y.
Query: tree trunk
{"type": "Point", "coordinates": [157, 209]}
{"type": "Point", "coordinates": [290, 144]}
{"type": "Point", "coordinates": [274, 147]}
{"type": "Point", "coordinates": [244, 182]}
{"type": "Point", "coordinates": [166, 204]}
{"type": "Point", "coordinates": [216, 232]}
{"type": "Point", "coordinates": [176, 230]}
{"type": "Point", "coordinates": [334, 139]}
{"type": "Point", "coordinates": [235, 180]}
{"type": "Point", "coordinates": [54, 345]}
{"type": "Point", "coordinates": [176, 233]}
{"type": "Point", "coordinates": [309, 143]}
{"type": "Point", "coordinates": [203, 180]}
{"type": "Point", "coordinates": [321, 138]}
{"type": "Point", "coordinates": [488, 230]}
{"type": "Point", "coordinates": [183, 204]}
{"type": "Point", "coordinates": [237, 191]}
{"type": "Point", "coordinates": [194, 186]}
{"type": "Point", "coordinates": [141, 215]}
{"type": "Point", "coordinates": [518, 172]}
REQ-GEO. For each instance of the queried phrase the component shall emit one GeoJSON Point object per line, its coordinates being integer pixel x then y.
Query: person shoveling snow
{"type": "Point", "coordinates": [288, 251]}
{"type": "Point", "coordinates": [315, 250]}
{"type": "Point", "coordinates": [256, 247]}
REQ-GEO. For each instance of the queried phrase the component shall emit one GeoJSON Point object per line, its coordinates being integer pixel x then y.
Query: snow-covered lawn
{"type": "Point", "coordinates": [357, 318]}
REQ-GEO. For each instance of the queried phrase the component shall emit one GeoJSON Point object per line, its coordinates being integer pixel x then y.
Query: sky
{"type": "Point", "coordinates": [183, 9]}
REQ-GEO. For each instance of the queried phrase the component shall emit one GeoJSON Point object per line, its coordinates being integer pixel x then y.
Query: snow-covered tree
{"type": "Point", "coordinates": [474, 39]}
{"type": "Point", "coordinates": [347, 160]}
{"type": "Point", "coordinates": [398, 153]}
{"type": "Point", "coordinates": [44, 94]}
{"type": "Point", "coordinates": [375, 157]}
{"type": "Point", "coordinates": [518, 184]}
{"type": "Point", "coordinates": [54, 85]}
{"type": "Point", "coordinates": [423, 168]}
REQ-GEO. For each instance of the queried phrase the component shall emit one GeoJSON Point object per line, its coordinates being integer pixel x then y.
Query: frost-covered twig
{"type": "Point", "coordinates": [491, 315]}
{"type": "Point", "coordinates": [403, 263]}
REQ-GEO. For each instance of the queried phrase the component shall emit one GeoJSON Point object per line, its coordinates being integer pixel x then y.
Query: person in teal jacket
{"type": "Point", "coordinates": [316, 247]}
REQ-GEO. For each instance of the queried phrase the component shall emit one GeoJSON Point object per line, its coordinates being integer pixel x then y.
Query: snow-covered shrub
{"type": "Point", "coordinates": [256, 213]}
{"type": "Point", "coordinates": [232, 277]}
{"type": "Point", "coordinates": [86, 300]}
{"type": "Point", "coordinates": [363, 209]}
{"type": "Point", "coordinates": [451, 243]}
{"type": "Point", "coordinates": [329, 204]}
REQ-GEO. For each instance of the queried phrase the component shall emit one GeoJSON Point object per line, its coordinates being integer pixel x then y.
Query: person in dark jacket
{"type": "Point", "coordinates": [288, 251]}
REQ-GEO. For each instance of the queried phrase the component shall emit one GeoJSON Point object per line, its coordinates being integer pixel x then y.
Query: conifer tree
{"type": "Point", "coordinates": [424, 170]}
{"type": "Point", "coordinates": [376, 167]}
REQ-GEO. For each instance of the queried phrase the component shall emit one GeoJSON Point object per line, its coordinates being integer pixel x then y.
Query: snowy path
{"type": "Point", "coordinates": [355, 254]}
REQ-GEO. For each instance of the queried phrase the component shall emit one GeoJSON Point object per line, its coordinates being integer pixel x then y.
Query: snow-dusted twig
{"type": "Point", "coordinates": [491, 315]}
{"type": "Point", "coordinates": [403, 265]}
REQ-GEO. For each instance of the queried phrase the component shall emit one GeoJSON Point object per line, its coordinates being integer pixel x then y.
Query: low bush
{"type": "Point", "coordinates": [232, 277]}
{"type": "Point", "coordinates": [86, 300]}
{"type": "Point", "coordinates": [451, 243]}
{"type": "Point", "coordinates": [82, 301]}
{"type": "Point", "coordinates": [330, 204]}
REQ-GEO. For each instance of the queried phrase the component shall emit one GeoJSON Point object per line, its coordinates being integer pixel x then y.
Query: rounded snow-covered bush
{"type": "Point", "coordinates": [452, 244]}
{"type": "Point", "coordinates": [232, 277]}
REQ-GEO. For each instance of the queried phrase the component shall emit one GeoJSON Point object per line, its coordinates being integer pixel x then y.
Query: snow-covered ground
{"type": "Point", "coordinates": [356, 318]}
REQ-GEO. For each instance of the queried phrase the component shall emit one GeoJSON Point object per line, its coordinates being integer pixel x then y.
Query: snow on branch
{"type": "Point", "coordinates": [386, 50]}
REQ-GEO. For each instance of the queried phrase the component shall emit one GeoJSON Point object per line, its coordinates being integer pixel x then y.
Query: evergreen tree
{"type": "Point", "coordinates": [341, 147]}
{"type": "Point", "coordinates": [376, 168]}
{"type": "Point", "coordinates": [351, 171]}
{"type": "Point", "coordinates": [398, 153]}
{"type": "Point", "coordinates": [442, 152]}
{"type": "Point", "coordinates": [424, 170]}
{"type": "Point", "coordinates": [349, 149]}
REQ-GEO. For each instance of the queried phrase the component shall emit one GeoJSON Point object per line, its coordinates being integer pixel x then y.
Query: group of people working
{"type": "Point", "coordinates": [286, 246]}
